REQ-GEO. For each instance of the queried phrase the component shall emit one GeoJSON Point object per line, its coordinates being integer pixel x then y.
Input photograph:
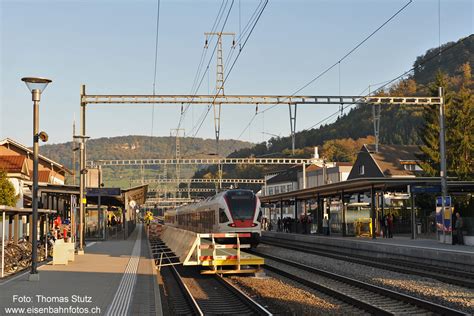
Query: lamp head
{"type": "Point", "coordinates": [36, 83]}
{"type": "Point", "coordinates": [43, 136]}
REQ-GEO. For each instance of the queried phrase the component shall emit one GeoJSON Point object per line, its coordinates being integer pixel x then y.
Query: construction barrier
{"type": "Point", "coordinates": [201, 249]}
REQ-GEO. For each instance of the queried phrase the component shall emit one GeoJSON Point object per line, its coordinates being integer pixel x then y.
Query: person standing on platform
{"type": "Point", "coordinates": [325, 225]}
{"type": "Point", "coordinates": [384, 223]}
{"type": "Point", "coordinates": [458, 227]}
{"type": "Point", "coordinates": [390, 225]}
{"type": "Point", "coordinates": [279, 224]}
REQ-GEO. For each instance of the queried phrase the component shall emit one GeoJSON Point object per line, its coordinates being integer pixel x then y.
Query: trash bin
{"type": "Point", "coordinates": [418, 228]}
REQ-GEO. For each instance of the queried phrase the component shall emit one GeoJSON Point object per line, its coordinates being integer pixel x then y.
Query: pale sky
{"type": "Point", "coordinates": [110, 46]}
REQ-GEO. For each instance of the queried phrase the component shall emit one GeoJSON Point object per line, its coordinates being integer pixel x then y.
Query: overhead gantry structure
{"type": "Point", "coordinates": [291, 100]}
{"type": "Point", "coordinates": [174, 180]}
{"type": "Point", "coordinates": [206, 161]}
{"type": "Point", "coordinates": [201, 161]}
{"type": "Point", "coordinates": [193, 190]}
{"type": "Point", "coordinates": [256, 100]}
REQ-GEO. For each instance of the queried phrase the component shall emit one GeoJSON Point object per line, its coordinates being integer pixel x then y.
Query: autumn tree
{"type": "Point", "coordinates": [344, 150]}
{"type": "Point", "coordinates": [7, 191]}
{"type": "Point", "coordinates": [459, 127]}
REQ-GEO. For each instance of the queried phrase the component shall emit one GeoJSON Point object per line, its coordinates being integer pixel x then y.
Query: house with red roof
{"type": "Point", "coordinates": [17, 161]}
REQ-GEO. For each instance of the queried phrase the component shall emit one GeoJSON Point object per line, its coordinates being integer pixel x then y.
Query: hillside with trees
{"type": "Point", "coordinates": [400, 125]}
{"type": "Point", "coordinates": [138, 147]}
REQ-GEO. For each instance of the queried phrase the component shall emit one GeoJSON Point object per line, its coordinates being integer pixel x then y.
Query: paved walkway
{"type": "Point", "coordinates": [112, 278]}
{"type": "Point", "coordinates": [402, 241]}
{"type": "Point", "coordinates": [417, 243]}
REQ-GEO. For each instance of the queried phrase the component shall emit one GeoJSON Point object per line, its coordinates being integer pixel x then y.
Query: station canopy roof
{"type": "Point", "coordinates": [366, 184]}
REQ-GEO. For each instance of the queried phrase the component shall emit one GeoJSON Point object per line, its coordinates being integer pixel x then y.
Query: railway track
{"type": "Point", "coordinates": [191, 293]}
{"type": "Point", "coordinates": [374, 299]}
{"type": "Point", "coordinates": [461, 278]}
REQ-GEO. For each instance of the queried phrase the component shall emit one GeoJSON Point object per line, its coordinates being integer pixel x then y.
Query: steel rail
{"type": "Point", "coordinates": [426, 305]}
{"type": "Point", "coordinates": [185, 292]}
{"type": "Point", "coordinates": [461, 278]}
{"type": "Point", "coordinates": [251, 303]}
{"type": "Point", "coordinates": [243, 299]}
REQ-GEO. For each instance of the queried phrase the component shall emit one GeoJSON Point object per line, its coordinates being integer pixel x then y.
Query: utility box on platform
{"type": "Point", "coordinates": [63, 252]}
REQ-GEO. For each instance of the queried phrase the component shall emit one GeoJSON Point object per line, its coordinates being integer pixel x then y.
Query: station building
{"type": "Point", "coordinates": [356, 202]}
{"type": "Point", "coordinates": [54, 194]}
{"type": "Point", "coordinates": [17, 160]}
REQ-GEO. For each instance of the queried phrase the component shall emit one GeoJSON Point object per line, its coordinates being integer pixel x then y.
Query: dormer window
{"type": "Point", "coordinates": [412, 167]}
{"type": "Point", "coordinates": [361, 170]}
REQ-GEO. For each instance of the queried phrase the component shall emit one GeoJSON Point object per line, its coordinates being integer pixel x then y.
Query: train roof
{"type": "Point", "coordinates": [208, 199]}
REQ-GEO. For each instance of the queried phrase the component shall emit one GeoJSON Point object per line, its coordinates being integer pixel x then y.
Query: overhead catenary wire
{"type": "Point", "coordinates": [334, 64]}
{"type": "Point", "coordinates": [250, 22]}
{"type": "Point", "coordinates": [155, 69]}
{"type": "Point", "coordinates": [243, 33]}
{"type": "Point", "coordinates": [350, 52]}
{"type": "Point", "coordinates": [195, 88]}
{"type": "Point", "coordinates": [204, 115]}
{"type": "Point", "coordinates": [235, 60]}
{"type": "Point", "coordinates": [197, 85]}
{"type": "Point", "coordinates": [386, 83]}
{"type": "Point", "coordinates": [204, 50]}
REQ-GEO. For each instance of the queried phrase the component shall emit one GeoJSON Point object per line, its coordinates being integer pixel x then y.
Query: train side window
{"type": "Point", "coordinates": [222, 216]}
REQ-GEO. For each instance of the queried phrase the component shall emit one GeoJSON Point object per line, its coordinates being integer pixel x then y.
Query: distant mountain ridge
{"type": "Point", "coordinates": [138, 147]}
{"type": "Point", "coordinates": [398, 124]}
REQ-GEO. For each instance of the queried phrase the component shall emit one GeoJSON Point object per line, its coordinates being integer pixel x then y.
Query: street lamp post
{"type": "Point", "coordinates": [443, 169]}
{"type": "Point", "coordinates": [82, 175]}
{"type": "Point", "coordinates": [36, 86]}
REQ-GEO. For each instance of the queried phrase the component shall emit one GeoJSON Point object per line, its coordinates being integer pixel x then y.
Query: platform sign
{"type": "Point", "coordinates": [444, 219]}
{"type": "Point", "coordinates": [439, 201]}
{"type": "Point", "coordinates": [426, 189]}
{"type": "Point", "coordinates": [103, 191]}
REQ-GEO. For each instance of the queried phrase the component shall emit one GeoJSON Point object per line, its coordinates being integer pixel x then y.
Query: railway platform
{"type": "Point", "coordinates": [427, 251]}
{"type": "Point", "coordinates": [111, 278]}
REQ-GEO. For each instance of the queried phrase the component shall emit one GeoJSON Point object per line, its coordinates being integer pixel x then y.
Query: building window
{"type": "Point", "coordinates": [361, 170]}
{"type": "Point", "coordinates": [288, 187]}
{"type": "Point", "coordinates": [270, 191]}
{"type": "Point", "coordinates": [411, 167]}
{"type": "Point", "coordinates": [277, 190]}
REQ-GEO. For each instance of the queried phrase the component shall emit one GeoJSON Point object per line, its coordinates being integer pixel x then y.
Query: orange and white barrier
{"type": "Point", "coordinates": [201, 249]}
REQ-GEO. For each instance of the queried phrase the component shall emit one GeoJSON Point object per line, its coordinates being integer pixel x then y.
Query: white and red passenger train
{"type": "Point", "coordinates": [232, 211]}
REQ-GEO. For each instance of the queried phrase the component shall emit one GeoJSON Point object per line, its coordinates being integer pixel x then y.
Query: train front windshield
{"type": "Point", "coordinates": [241, 204]}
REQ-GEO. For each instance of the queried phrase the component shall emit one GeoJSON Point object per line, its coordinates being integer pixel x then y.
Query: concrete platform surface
{"type": "Point", "coordinates": [110, 271]}
{"type": "Point", "coordinates": [428, 251]}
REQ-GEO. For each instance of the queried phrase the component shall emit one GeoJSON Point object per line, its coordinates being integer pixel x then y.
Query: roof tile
{"type": "Point", "coordinates": [12, 163]}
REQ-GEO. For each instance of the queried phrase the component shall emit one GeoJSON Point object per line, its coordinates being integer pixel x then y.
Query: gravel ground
{"type": "Point", "coordinates": [284, 297]}
{"type": "Point", "coordinates": [433, 290]}
{"type": "Point", "coordinates": [195, 288]}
